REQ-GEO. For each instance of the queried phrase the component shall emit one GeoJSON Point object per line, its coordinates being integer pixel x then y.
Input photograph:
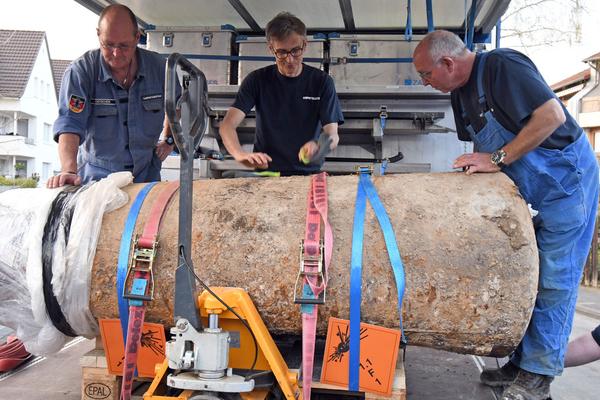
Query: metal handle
{"type": "Point", "coordinates": [196, 95]}
{"type": "Point", "coordinates": [194, 114]}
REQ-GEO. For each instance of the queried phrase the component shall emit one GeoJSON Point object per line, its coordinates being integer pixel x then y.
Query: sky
{"type": "Point", "coordinates": [70, 30]}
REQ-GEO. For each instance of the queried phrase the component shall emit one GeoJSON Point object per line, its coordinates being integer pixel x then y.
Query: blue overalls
{"type": "Point", "coordinates": [563, 186]}
{"type": "Point", "coordinates": [118, 129]}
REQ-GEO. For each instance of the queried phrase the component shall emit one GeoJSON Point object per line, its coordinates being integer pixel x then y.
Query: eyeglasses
{"type": "Point", "coordinates": [120, 46]}
{"type": "Point", "coordinates": [427, 74]}
{"type": "Point", "coordinates": [282, 54]}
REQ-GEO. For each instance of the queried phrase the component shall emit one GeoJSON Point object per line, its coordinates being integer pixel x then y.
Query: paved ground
{"type": "Point", "coordinates": [430, 374]}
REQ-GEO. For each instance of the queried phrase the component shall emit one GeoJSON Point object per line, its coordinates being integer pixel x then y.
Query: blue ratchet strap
{"type": "Point", "coordinates": [390, 243]}
{"type": "Point", "coordinates": [384, 164]}
{"type": "Point", "coordinates": [124, 252]}
{"type": "Point", "coordinates": [355, 284]}
{"type": "Point", "coordinates": [367, 190]}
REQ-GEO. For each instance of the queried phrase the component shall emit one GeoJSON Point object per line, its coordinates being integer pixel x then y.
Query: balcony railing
{"type": "Point", "coordinates": [25, 139]}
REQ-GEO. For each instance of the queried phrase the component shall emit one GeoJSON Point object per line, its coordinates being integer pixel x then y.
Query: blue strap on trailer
{"type": "Point", "coordinates": [333, 60]}
{"type": "Point", "coordinates": [237, 58]}
{"type": "Point", "coordinates": [471, 25]}
{"type": "Point", "coordinates": [124, 250]}
{"type": "Point", "coordinates": [369, 60]}
{"type": "Point", "coordinates": [429, 7]}
{"type": "Point", "coordinates": [408, 30]}
{"type": "Point", "coordinates": [366, 190]}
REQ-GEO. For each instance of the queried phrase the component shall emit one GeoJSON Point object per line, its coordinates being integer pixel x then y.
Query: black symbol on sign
{"type": "Point", "coordinates": [150, 341]}
{"type": "Point", "coordinates": [368, 365]}
{"type": "Point", "coordinates": [344, 345]}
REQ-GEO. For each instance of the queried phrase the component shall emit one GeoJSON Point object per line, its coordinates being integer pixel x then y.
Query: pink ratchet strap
{"type": "Point", "coordinates": [142, 283]}
{"type": "Point", "coordinates": [315, 259]}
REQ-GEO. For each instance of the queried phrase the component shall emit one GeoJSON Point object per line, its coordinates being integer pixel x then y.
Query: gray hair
{"type": "Point", "coordinates": [442, 43]}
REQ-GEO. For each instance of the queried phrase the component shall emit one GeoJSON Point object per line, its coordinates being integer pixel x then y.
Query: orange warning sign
{"type": "Point", "coordinates": [378, 354]}
{"type": "Point", "coordinates": [151, 351]}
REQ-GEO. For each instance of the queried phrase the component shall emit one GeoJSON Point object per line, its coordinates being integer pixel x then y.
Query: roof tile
{"type": "Point", "coordinates": [18, 52]}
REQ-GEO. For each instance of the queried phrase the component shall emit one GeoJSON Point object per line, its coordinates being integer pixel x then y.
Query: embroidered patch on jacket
{"type": "Point", "coordinates": [103, 102]}
{"type": "Point", "coordinates": [152, 97]}
{"type": "Point", "coordinates": [76, 103]}
{"type": "Point", "coordinates": [311, 98]}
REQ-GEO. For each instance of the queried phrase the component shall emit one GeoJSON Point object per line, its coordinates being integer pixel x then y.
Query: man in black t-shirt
{"type": "Point", "coordinates": [293, 101]}
{"type": "Point", "coordinates": [517, 125]}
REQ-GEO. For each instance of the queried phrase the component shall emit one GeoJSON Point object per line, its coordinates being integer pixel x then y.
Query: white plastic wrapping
{"type": "Point", "coordinates": [23, 215]}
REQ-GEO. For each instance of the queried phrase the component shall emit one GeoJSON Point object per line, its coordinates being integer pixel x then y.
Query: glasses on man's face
{"type": "Point", "coordinates": [118, 46]}
{"type": "Point", "coordinates": [282, 54]}
{"type": "Point", "coordinates": [427, 74]}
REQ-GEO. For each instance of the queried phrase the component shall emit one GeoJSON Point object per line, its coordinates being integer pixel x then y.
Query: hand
{"type": "Point", "coordinates": [62, 179]}
{"type": "Point", "coordinates": [476, 162]}
{"type": "Point", "coordinates": [307, 151]}
{"type": "Point", "coordinates": [163, 149]}
{"type": "Point", "coordinates": [254, 160]}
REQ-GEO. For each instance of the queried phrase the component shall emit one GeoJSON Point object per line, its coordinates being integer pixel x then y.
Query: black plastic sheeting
{"type": "Point", "coordinates": [60, 216]}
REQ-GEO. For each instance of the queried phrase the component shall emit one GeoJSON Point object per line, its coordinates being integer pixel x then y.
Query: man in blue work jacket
{"type": "Point", "coordinates": [111, 107]}
{"type": "Point", "coordinates": [517, 125]}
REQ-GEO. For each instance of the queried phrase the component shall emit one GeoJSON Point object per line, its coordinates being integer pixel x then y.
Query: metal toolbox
{"type": "Point", "coordinates": [343, 49]}
{"type": "Point", "coordinates": [257, 46]}
{"type": "Point", "coordinates": [198, 44]}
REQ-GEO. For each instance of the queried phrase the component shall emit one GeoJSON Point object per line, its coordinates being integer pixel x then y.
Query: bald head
{"type": "Point", "coordinates": [438, 44]}
{"type": "Point", "coordinates": [117, 14]}
{"type": "Point", "coordinates": [443, 61]}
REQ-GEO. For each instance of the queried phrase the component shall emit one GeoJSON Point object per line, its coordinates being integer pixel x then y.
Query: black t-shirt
{"type": "Point", "coordinates": [289, 113]}
{"type": "Point", "coordinates": [514, 88]}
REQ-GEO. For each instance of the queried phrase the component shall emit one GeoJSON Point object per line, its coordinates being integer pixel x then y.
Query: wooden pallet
{"type": "Point", "coordinates": [98, 383]}
{"type": "Point", "coordinates": [398, 387]}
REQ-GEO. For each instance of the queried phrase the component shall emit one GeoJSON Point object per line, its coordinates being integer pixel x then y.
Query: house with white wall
{"type": "Point", "coordinates": [580, 93]}
{"type": "Point", "coordinates": [28, 106]}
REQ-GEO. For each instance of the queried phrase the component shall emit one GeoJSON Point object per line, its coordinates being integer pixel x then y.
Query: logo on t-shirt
{"type": "Point", "coordinates": [76, 103]}
{"type": "Point", "coordinates": [311, 98]}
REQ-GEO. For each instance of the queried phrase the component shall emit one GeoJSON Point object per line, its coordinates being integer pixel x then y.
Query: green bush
{"type": "Point", "coordinates": [19, 182]}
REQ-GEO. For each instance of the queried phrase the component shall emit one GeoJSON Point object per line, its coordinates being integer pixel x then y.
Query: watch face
{"type": "Point", "coordinates": [498, 157]}
{"type": "Point", "coordinates": [170, 140]}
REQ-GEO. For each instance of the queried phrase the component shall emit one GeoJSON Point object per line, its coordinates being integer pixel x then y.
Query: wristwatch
{"type": "Point", "coordinates": [170, 141]}
{"type": "Point", "coordinates": [498, 157]}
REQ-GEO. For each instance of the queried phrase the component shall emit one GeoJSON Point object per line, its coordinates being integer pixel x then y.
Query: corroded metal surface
{"type": "Point", "coordinates": [467, 244]}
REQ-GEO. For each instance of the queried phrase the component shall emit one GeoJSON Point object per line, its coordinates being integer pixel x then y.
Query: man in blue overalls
{"type": "Point", "coordinates": [111, 107]}
{"type": "Point", "coordinates": [517, 125]}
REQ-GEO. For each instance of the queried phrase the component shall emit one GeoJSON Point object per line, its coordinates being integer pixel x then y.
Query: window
{"type": "Point", "coordinates": [46, 171]}
{"type": "Point", "coordinates": [23, 127]}
{"type": "Point", "coordinates": [47, 133]}
{"type": "Point", "coordinates": [36, 87]}
{"type": "Point", "coordinates": [20, 168]}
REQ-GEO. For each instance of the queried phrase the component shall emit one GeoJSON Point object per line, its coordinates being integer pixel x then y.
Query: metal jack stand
{"type": "Point", "coordinates": [199, 357]}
